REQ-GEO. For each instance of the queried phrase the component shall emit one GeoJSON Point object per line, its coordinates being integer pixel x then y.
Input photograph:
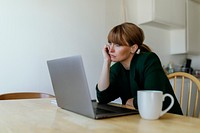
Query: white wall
{"type": "Point", "coordinates": [195, 61]}
{"type": "Point", "coordinates": [34, 31]}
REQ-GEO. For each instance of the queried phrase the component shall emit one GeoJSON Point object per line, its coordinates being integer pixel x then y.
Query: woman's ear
{"type": "Point", "coordinates": [134, 48]}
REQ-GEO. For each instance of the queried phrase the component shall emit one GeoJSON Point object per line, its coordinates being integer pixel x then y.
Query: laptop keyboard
{"type": "Point", "coordinates": [101, 111]}
{"type": "Point", "coordinates": [104, 108]}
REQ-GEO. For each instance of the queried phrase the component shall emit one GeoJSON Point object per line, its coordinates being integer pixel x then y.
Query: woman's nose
{"type": "Point", "coordinates": [111, 49]}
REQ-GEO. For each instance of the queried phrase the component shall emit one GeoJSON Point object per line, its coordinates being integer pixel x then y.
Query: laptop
{"type": "Point", "coordinates": [72, 92]}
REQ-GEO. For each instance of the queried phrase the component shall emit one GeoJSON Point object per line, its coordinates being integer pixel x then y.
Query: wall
{"type": "Point", "coordinates": [195, 61]}
{"type": "Point", "coordinates": [33, 32]}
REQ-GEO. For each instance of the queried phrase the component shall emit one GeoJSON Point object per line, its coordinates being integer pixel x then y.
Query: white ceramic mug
{"type": "Point", "coordinates": [150, 104]}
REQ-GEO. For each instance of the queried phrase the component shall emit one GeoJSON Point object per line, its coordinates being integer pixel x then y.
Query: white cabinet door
{"type": "Point", "coordinates": [178, 41]}
{"type": "Point", "coordinates": [193, 27]}
{"type": "Point", "coordinates": [177, 11]}
{"type": "Point", "coordinates": [187, 40]}
{"type": "Point", "coordinates": [161, 12]}
{"type": "Point", "coordinates": [170, 13]}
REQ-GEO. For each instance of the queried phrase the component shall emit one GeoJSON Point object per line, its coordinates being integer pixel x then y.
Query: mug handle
{"type": "Point", "coordinates": [170, 106]}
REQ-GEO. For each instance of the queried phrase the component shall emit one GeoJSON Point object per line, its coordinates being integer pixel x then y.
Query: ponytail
{"type": "Point", "coordinates": [144, 48]}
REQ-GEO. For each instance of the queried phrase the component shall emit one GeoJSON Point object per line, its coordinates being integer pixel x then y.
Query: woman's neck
{"type": "Point", "coordinates": [126, 63]}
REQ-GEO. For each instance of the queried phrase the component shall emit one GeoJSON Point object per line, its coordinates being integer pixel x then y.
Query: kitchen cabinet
{"type": "Point", "coordinates": [162, 13]}
{"type": "Point", "coordinates": [187, 40]}
{"type": "Point", "coordinates": [193, 27]}
{"type": "Point", "coordinates": [180, 17]}
{"type": "Point", "coordinates": [178, 41]}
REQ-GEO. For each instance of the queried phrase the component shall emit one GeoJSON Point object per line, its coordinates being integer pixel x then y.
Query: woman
{"type": "Point", "coordinates": [136, 68]}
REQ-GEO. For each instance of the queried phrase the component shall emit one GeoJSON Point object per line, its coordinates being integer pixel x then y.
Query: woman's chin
{"type": "Point", "coordinates": [114, 60]}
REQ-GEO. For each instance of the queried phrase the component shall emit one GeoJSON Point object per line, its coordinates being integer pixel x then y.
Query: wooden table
{"type": "Point", "coordinates": [42, 116]}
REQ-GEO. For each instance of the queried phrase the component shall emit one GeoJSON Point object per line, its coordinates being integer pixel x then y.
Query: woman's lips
{"type": "Point", "coordinates": [112, 56]}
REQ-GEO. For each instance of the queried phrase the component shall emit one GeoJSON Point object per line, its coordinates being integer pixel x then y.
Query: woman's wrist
{"type": "Point", "coordinates": [106, 63]}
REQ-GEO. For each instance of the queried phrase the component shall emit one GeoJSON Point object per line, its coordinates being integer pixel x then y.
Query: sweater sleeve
{"type": "Point", "coordinates": [107, 95]}
{"type": "Point", "coordinates": [111, 93]}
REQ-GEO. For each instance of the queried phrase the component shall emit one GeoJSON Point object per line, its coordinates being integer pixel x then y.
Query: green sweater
{"type": "Point", "coordinates": [146, 73]}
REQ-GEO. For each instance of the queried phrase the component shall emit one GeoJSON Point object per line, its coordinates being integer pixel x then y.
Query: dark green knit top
{"type": "Point", "coordinates": [146, 73]}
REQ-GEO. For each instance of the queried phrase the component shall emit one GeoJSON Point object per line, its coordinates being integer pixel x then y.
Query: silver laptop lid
{"type": "Point", "coordinates": [70, 85]}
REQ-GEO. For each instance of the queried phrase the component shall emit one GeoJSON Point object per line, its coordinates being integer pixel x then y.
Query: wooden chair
{"type": "Point", "coordinates": [186, 88]}
{"type": "Point", "coordinates": [24, 95]}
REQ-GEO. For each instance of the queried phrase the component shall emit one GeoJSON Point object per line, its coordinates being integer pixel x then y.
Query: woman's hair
{"type": "Point", "coordinates": [128, 34]}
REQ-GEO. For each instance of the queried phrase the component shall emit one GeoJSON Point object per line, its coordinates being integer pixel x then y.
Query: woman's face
{"type": "Point", "coordinates": [119, 53]}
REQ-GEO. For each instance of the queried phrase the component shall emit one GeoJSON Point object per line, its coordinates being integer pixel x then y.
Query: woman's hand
{"type": "Point", "coordinates": [105, 52]}
{"type": "Point", "coordinates": [104, 79]}
{"type": "Point", "coordinates": [129, 102]}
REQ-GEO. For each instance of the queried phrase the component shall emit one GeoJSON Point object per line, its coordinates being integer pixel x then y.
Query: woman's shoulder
{"type": "Point", "coordinates": [147, 56]}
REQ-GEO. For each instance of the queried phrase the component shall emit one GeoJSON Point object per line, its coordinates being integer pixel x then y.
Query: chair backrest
{"type": "Point", "coordinates": [186, 88]}
{"type": "Point", "coordinates": [24, 95]}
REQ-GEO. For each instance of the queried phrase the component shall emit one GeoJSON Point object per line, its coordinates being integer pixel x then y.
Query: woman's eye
{"type": "Point", "coordinates": [117, 45]}
{"type": "Point", "coordinates": [109, 44]}
{"type": "Point", "coordinates": [114, 44]}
